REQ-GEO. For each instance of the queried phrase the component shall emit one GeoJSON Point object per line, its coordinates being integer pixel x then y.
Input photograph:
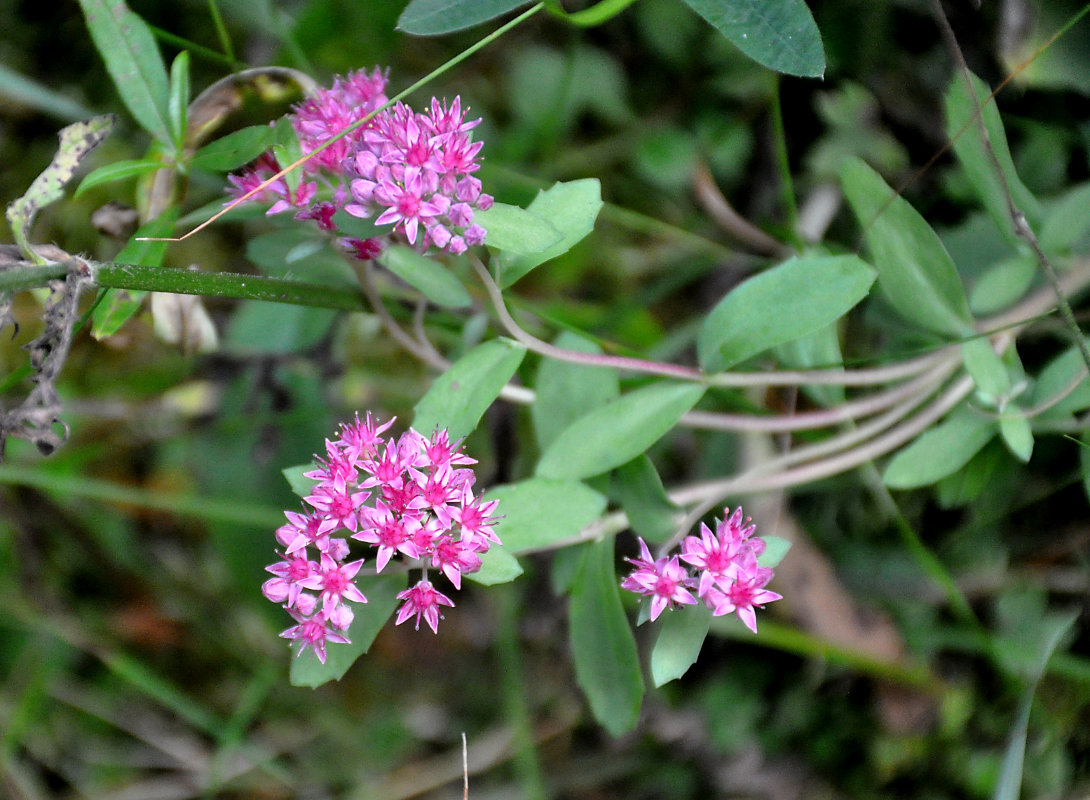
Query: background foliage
{"type": "Point", "coordinates": [912, 657]}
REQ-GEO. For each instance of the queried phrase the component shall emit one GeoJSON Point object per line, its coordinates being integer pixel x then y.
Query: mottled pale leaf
{"type": "Point", "coordinates": [940, 451]}
{"type": "Point", "coordinates": [431, 278]}
{"type": "Point", "coordinates": [458, 397]}
{"type": "Point", "coordinates": [539, 512]}
{"type": "Point", "coordinates": [618, 431]}
{"type": "Point", "coordinates": [76, 141]}
{"type": "Point", "coordinates": [796, 298]}
{"type": "Point", "coordinates": [571, 208]}
{"type": "Point", "coordinates": [607, 665]}
{"type": "Point", "coordinates": [371, 617]}
{"type": "Point", "coordinates": [915, 273]}
{"type": "Point", "coordinates": [433, 17]}
{"type": "Point", "coordinates": [132, 58]}
{"type": "Point", "coordinates": [681, 635]}
{"type": "Point", "coordinates": [778, 34]}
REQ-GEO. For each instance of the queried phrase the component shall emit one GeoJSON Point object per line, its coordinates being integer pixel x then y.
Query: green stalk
{"type": "Point", "coordinates": [787, 185]}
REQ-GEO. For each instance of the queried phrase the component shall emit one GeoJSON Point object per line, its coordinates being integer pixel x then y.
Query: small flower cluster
{"type": "Point", "coordinates": [729, 579]}
{"type": "Point", "coordinates": [411, 495]}
{"type": "Point", "coordinates": [406, 169]}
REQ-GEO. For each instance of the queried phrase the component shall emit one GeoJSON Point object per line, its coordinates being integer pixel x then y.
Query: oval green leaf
{"type": "Point", "coordinates": [915, 273]}
{"type": "Point", "coordinates": [681, 635]}
{"type": "Point", "coordinates": [567, 391]}
{"type": "Point", "coordinates": [117, 171]}
{"type": "Point", "coordinates": [371, 617]}
{"type": "Point", "coordinates": [515, 230]}
{"type": "Point", "coordinates": [434, 17]}
{"type": "Point", "coordinates": [607, 664]}
{"type": "Point", "coordinates": [649, 510]}
{"type": "Point", "coordinates": [941, 451]}
{"type": "Point", "coordinates": [234, 150]}
{"type": "Point", "coordinates": [539, 512]}
{"type": "Point", "coordinates": [778, 34]}
{"type": "Point", "coordinates": [618, 431]}
{"type": "Point", "coordinates": [464, 392]}
{"type": "Point", "coordinates": [571, 208]}
{"type": "Point", "coordinates": [794, 299]}
{"type": "Point", "coordinates": [428, 276]}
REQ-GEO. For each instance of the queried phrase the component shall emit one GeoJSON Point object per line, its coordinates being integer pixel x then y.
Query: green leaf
{"type": "Point", "coordinates": [233, 150]}
{"type": "Point", "coordinates": [275, 328]}
{"type": "Point", "coordinates": [567, 391]}
{"type": "Point", "coordinates": [178, 104]}
{"type": "Point", "coordinates": [607, 665]}
{"type": "Point", "coordinates": [428, 276]}
{"type": "Point", "coordinates": [571, 208]}
{"type": "Point", "coordinates": [118, 305]}
{"type": "Point", "coordinates": [371, 617]}
{"type": "Point", "coordinates": [643, 498]}
{"type": "Point", "coordinates": [776, 548]}
{"type": "Point", "coordinates": [538, 512]}
{"type": "Point", "coordinates": [817, 350]}
{"type": "Point", "coordinates": [1003, 284]}
{"type": "Point", "coordinates": [132, 58]}
{"type": "Point", "coordinates": [1067, 222]}
{"type": "Point", "coordinates": [618, 431]}
{"type": "Point", "coordinates": [796, 298]}
{"type": "Point", "coordinates": [973, 156]}
{"type": "Point", "coordinates": [434, 17]}
{"type": "Point", "coordinates": [986, 368]}
{"type": "Point", "coordinates": [915, 273]}
{"type": "Point", "coordinates": [76, 141]}
{"type": "Point", "coordinates": [300, 484]}
{"type": "Point", "coordinates": [1017, 433]}
{"type": "Point", "coordinates": [515, 230]}
{"type": "Point", "coordinates": [464, 392]}
{"type": "Point", "coordinates": [118, 171]}
{"type": "Point", "coordinates": [778, 34]}
{"type": "Point", "coordinates": [941, 451]}
{"type": "Point", "coordinates": [681, 635]}
{"type": "Point", "coordinates": [1063, 379]}
{"type": "Point", "coordinates": [287, 150]}
{"type": "Point", "coordinates": [497, 566]}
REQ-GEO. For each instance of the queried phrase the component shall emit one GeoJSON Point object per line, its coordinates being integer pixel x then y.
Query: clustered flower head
{"type": "Point", "coordinates": [721, 569]}
{"type": "Point", "coordinates": [409, 497]}
{"type": "Point", "coordinates": [410, 170]}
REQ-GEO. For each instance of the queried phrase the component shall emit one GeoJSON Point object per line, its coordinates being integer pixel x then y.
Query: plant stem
{"type": "Point", "coordinates": [787, 186]}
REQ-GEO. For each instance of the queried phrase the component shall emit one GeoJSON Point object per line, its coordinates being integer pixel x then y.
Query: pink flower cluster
{"type": "Point", "coordinates": [410, 496]}
{"type": "Point", "coordinates": [409, 170]}
{"type": "Point", "coordinates": [728, 579]}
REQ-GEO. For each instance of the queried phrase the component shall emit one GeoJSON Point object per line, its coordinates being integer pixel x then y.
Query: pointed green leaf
{"type": "Point", "coordinates": [776, 548]}
{"type": "Point", "coordinates": [515, 230]}
{"type": "Point", "coordinates": [915, 273]}
{"type": "Point", "coordinates": [567, 391]}
{"type": "Point", "coordinates": [132, 58]}
{"type": "Point", "coordinates": [644, 500]}
{"type": "Point", "coordinates": [428, 276]}
{"type": "Point", "coordinates": [940, 451]}
{"type": "Point", "coordinates": [1003, 284]}
{"type": "Point", "coordinates": [464, 392]}
{"type": "Point", "coordinates": [571, 208]}
{"type": "Point", "coordinates": [118, 306]}
{"type": "Point", "coordinates": [681, 635]}
{"type": "Point", "coordinates": [178, 105]}
{"type": "Point", "coordinates": [618, 431]}
{"type": "Point", "coordinates": [300, 484]}
{"type": "Point", "coordinates": [796, 298]}
{"type": "Point", "coordinates": [986, 368]}
{"type": "Point", "coordinates": [434, 17]}
{"type": "Point", "coordinates": [1063, 385]}
{"type": "Point", "coordinates": [1017, 433]}
{"type": "Point", "coordinates": [974, 158]}
{"type": "Point", "coordinates": [607, 665]}
{"type": "Point", "coordinates": [371, 617]}
{"type": "Point", "coordinates": [778, 34]}
{"type": "Point", "coordinates": [1067, 222]}
{"type": "Point", "coordinates": [538, 512]}
{"type": "Point", "coordinates": [117, 171]}
{"type": "Point", "coordinates": [234, 150]}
